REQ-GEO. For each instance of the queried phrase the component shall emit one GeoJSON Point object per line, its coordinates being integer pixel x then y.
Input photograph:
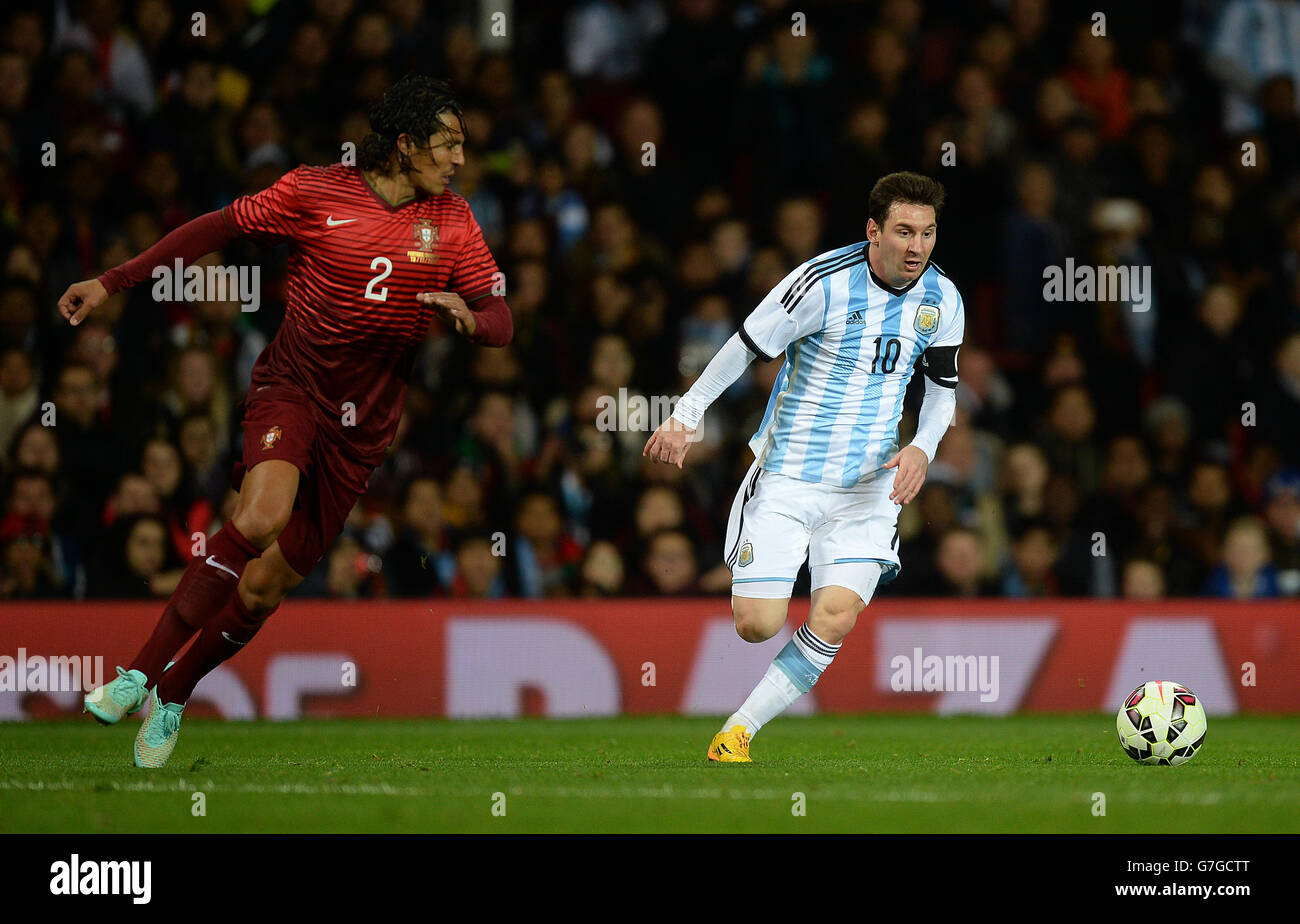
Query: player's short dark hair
{"type": "Point", "coordinates": [410, 107]}
{"type": "Point", "coordinates": [909, 188]}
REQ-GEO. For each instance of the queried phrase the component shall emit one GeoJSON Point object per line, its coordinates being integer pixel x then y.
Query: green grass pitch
{"type": "Point", "coordinates": [856, 774]}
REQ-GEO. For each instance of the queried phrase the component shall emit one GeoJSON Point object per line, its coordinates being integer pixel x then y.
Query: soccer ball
{"type": "Point", "coordinates": [1161, 722]}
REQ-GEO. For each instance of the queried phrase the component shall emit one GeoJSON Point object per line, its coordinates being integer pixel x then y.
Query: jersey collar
{"type": "Point", "coordinates": [391, 206]}
{"type": "Point", "coordinates": [886, 286]}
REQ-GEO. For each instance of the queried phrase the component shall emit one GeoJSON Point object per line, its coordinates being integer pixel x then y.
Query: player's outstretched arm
{"type": "Point", "coordinates": [673, 437]}
{"type": "Point", "coordinates": [188, 242]}
{"type": "Point", "coordinates": [80, 299]}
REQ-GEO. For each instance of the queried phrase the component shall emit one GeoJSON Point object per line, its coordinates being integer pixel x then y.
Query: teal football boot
{"type": "Point", "coordinates": [156, 739]}
{"type": "Point", "coordinates": [118, 698]}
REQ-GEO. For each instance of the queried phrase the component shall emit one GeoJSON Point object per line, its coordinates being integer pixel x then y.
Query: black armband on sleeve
{"type": "Point", "coordinates": [752, 347]}
{"type": "Point", "coordinates": [940, 364]}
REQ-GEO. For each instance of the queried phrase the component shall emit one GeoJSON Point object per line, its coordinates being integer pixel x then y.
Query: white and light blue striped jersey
{"type": "Point", "coordinates": [851, 343]}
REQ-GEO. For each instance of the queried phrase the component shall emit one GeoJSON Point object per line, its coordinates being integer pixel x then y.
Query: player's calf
{"type": "Point", "coordinates": [266, 581]}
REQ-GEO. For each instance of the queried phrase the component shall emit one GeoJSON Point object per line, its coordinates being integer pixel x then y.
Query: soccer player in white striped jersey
{"type": "Point", "coordinates": [828, 476]}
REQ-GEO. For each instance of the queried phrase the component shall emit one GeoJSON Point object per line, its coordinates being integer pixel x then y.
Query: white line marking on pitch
{"type": "Point", "coordinates": [555, 792]}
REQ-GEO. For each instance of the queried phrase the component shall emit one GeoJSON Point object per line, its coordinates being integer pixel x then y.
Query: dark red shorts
{"type": "Point", "coordinates": [282, 422]}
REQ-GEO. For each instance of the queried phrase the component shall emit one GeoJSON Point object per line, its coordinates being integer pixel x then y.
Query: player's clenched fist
{"type": "Point", "coordinates": [81, 299]}
{"type": "Point", "coordinates": [912, 465]}
{"type": "Point", "coordinates": [669, 442]}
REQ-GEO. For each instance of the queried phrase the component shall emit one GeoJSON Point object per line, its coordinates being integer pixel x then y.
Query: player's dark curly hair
{"type": "Point", "coordinates": [411, 107]}
{"type": "Point", "coordinates": [910, 188]}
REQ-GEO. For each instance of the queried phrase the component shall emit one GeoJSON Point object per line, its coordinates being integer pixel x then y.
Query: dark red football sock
{"type": "Point", "coordinates": [223, 637]}
{"type": "Point", "coordinates": [169, 636]}
{"type": "Point", "coordinates": [205, 587]}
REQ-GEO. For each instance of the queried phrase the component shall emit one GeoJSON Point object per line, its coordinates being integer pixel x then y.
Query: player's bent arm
{"type": "Point", "coordinates": [940, 402]}
{"type": "Point", "coordinates": [720, 374]}
{"type": "Point", "coordinates": [494, 325]}
{"type": "Point", "coordinates": [190, 241]}
{"type": "Point", "coordinates": [937, 410]}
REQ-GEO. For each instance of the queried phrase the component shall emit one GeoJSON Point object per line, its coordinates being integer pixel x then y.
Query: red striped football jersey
{"type": "Point", "coordinates": [352, 325]}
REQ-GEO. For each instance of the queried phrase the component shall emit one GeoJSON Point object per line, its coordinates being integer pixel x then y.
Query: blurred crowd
{"type": "Point", "coordinates": [644, 172]}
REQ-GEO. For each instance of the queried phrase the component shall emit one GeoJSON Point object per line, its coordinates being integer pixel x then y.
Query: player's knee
{"type": "Point", "coordinates": [757, 620]}
{"type": "Point", "coordinates": [261, 524]}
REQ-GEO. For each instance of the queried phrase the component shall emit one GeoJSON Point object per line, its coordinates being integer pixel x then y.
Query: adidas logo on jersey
{"type": "Point", "coordinates": [855, 318]}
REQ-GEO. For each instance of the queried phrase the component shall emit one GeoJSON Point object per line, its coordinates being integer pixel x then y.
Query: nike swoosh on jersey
{"type": "Point", "coordinates": [227, 637]}
{"type": "Point", "coordinates": [332, 223]}
{"type": "Point", "coordinates": [216, 564]}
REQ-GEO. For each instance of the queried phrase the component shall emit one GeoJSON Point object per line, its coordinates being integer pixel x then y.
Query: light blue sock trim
{"type": "Point", "coordinates": [802, 672]}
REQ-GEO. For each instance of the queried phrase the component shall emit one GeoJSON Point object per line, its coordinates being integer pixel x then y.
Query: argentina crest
{"type": "Point", "coordinates": [746, 554]}
{"type": "Point", "coordinates": [927, 319]}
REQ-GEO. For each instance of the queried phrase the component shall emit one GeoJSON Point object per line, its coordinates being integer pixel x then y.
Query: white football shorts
{"type": "Point", "coordinates": [848, 535]}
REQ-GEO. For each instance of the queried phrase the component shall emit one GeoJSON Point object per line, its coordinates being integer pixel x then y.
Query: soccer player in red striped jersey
{"type": "Point", "coordinates": [376, 252]}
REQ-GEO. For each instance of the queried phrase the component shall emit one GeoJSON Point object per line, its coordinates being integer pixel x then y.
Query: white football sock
{"type": "Point", "coordinates": [793, 673]}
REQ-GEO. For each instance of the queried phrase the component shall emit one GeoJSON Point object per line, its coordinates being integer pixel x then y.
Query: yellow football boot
{"type": "Point", "coordinates": [731, 746]}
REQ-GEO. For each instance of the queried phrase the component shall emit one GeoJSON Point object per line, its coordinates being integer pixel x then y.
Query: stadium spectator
{"type": "Point", "coordinates": [1068, 437]}
{"type": "Point", "coordinates": [1098, 82]}
{"type": "Point", "coordinates": [669, 565]}
{"type": "Point", "coordinates": [1209, 510]}
{"type": "Point", "coordinates": [601, 573]}
{"type": "Point", "coordinates": [544, 558]}
{"type": "Point", "coordinates": [1279, 400]}
{"type": "Point", "coordinates": [1247, 44]}
{"type": "Point", "coordinates": [32, 495]}
{"type": "Point", "coordinates": [125, 80]}
{"type": "Point", "coordinates": [18, 393]}
{"type": "Point", "coordinates": [1030, 572]}
{"type": "Point", "coordinates": [420, 562]}
{"type": "Point", "coordinates": [207, 467]}
{"type": "Point", "coordinates": [136, 553]}
{"type": "Point", "coordinates": [1247, 571]}
{"type": "Point", "coordinates": [185, 514]}
{"type": "Point", "coordinates": [1143, 580]}
{"type": "Point", "coordinates": [1159, 541]}
{"type": "Point", "coordinates": [29, 571]}
{"type": "Point", "coordinates": [351, 571]}
{"type": "Point", "coordinates": [960, 566]}
{"type": "Point", "coordinates": [1282, 514]}
{"type": "Point", "coordinates": [478, 571]}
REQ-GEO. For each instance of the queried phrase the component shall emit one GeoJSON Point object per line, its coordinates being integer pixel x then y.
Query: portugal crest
{"type": "Point", "coordinates": [426, 235]}
{"type": "Point", "coordinates": [271, 437]}
{"type": "Point", "coordinates": [426, 240]}
{"type": "Point", "coordinates": [927, 319]}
